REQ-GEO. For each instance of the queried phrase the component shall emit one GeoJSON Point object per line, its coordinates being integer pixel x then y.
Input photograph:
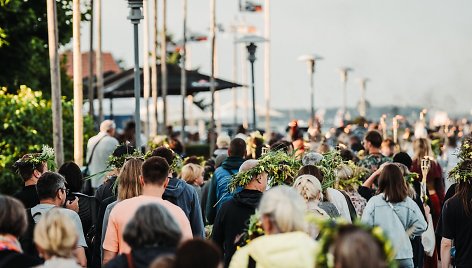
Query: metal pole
{"type": "Point", "coordinates": [267, 66]}
{"type": "Point", "coordinates": [254, 123]}
{"type": "Point", "coordinates": [90, 64]}
{"type": "Point", "coordinates": [98, 61]}
{"type": "Point", "coordinates": [235, 78]}
{"type": "Point", "coordinates": [55, 82]}
{"type": "Point", "coordinates": [183, 83]}
{"type": "Point", "coordinates": [146, 75]}
{"type": "Point", "coordinates": [137, 88]}
{"type": "Point", "coordinates": [312, 93]}
{"type": "Point", "coordinates": [212, 76]}
{"type": "Point", "coordinates": [78, 85]}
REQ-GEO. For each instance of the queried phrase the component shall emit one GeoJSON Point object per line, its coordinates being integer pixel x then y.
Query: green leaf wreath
{"type": "Point", "coordinates": [328, 166]}
{"type": "Point", "coordinates": [462, 172]}
{"type": "Point", "coordinates": [329, 230]}
{"type": "Point", "coordinates": [119, 161]}
{"type": "Point", "coordinates": [281, 168]}
{"type": "Point", "coordinates": [355, 180]}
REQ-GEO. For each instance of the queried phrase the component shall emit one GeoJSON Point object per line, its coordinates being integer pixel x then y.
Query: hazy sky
{"type": "Point", "coordinates": [415, 52]}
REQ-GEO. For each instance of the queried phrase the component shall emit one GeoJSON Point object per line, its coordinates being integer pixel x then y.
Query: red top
{"type": "Point", "coordinates": [434, 177]}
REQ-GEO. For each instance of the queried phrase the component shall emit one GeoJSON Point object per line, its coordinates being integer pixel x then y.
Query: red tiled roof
{"type": "Point", "coordinates": [109, 64]}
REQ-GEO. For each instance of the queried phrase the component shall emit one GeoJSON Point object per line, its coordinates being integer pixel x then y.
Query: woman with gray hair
{"type": "Point", "coordinates": [285, 243]}
{"type": "Point", "coordinates": [151, 233]}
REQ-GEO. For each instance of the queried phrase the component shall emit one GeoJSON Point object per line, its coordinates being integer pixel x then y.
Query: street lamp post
{"type": "Point", "coordinates": [135, 16]}
{"type": "Point", "coordinates": [251, 46]}
{"type": "Point", "coordinates": [363, 102]}
{"type": "Point", "coordinates": [344, 72]}
{"type": "Point", "coordinates": [311, 64]}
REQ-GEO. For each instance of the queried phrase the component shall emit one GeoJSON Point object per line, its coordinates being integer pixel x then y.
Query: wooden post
{"type": "Point", "coordinates": [146, 74]}
{"type": "Point", "coordinates": [55, 82]}
{"type": "Point", "coordinates": [155, 116]}
{"type": "Point", "coordinates": [98, 61]}
{"type": "Point", "coordinates": [78, 94]}
{"type": "Point", "coordinates": [164, 62]}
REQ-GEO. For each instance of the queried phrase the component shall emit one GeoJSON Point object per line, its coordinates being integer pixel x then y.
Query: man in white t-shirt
{"type": "Point", "coordinates": [104, 144]}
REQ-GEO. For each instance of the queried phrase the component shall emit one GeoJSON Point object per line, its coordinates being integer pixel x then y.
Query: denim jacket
{"type": "Point", "coordinates": [395, 219]}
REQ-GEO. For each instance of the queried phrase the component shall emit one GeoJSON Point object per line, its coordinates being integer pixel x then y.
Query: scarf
{"type": "Point", "coordinates": [9, 242]}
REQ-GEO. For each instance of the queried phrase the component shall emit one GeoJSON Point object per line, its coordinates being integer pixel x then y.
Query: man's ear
{"type": "Point", "coordinates": [166, 182]}
{"type": "Point", "coordinates": [141, 180]}
{"type": "Point", "coordinates": [36, 173]}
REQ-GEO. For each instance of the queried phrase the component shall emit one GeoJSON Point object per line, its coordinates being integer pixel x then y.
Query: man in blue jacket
{"type": "Point", "coordinates": [182, 195]}
{"type": "Point", "coordinates": [218, 192]}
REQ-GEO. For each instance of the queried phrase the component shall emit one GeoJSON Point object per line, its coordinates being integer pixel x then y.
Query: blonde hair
{"type": "Point", "coordinates": [285, 208]}
{"type": "Point", "coordinates": [191, 172]}
{"type": "Point", "coordinates": [309, 187]}
{"type": "Point", "coordinates": [422, 148]}
{"type": "Point", "coordinates": [344, 172]}
{"type": "Point", "coordinates": [55, 233]}
{"type": "Point", "coordinates": [128, 180]}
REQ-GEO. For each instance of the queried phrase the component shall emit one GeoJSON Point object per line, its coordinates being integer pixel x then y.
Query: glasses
{"type": "Point", "coordinates": [66, 191]}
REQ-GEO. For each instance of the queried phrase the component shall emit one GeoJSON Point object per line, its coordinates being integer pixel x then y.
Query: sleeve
{"type": "Point", "coordinates": [417, 222]}
{"type": "Point", "coordinates": [218, 227]}
{"type": "Point", "coordinates": [368, 214]}
{"type": "Point", "coordinates": [195, 217]}
{"type": "Point", "coordinates": [448, 220]}
{"type": "Point", "coordinates": [338, 200]}
{"type": "Point", "coordinates": [365, 192]}
{"type": "Point", "coordinates": [184, 226]}
{"type": "Point", "coordinates": [111, 235]}
{"type": "Point", "coordinates": [439, 184]}
{"type": "Point", "coordinates": [210, 212]}
{"type": "Point", "coordinates": [78, 224]}
{"type": "Point", "coordinates": [103, 229]}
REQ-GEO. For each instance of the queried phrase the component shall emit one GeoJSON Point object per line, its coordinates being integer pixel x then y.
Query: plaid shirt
{"type": "Point", "coordinates": [373, 161]}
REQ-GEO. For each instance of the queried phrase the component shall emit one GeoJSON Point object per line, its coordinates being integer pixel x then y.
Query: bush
{"type": "Point", "coordinates": [27, 125]}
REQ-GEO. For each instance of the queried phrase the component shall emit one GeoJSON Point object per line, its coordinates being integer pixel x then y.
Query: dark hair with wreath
{"type": "Point", "coordinates": [26, 165]}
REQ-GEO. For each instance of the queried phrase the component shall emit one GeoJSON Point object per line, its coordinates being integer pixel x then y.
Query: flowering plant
{"type": "Point", "coordinates": [463, 170]}
{"type": "Point", "coordinates": [46, 156]}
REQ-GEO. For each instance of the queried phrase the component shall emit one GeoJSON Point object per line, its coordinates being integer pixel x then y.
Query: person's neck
{"type": "Point", "coordinates": [49, 202]}
{"type": "Point", "coordinates": [253, 187]}
{"type": "Point", "coordinates": [31, 181]}
{"type": "Point", "coordinates": [374, 150]}
{"type": "Point", "coordinates": [153, 190]}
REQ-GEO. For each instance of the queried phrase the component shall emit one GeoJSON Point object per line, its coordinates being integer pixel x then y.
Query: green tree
{"type": "Point", "coordinates": [26, 126]}
{"type": "Point", "coordinates": [24, 58]}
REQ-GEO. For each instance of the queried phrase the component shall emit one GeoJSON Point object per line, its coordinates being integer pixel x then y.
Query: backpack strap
{"type": "Point", "coordinates": [93, 150]}
{"type": "Point", "coordinates": [129, 260]}
{"type": "Point", "coordinates": [251, 263]}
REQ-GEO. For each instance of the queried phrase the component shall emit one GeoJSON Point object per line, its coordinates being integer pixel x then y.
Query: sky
{"type": "Point", "coordinates": [414, 52]}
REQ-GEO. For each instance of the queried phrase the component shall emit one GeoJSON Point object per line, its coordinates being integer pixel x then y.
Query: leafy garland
{"type": "Point", "coordinates": [329, 229]}
{"type": "Point", "coordinates": [462, 172]}
{"type": "Point", "coordinates": [119, 161]}
{"type": "Point", "coordinates": [355, 180]}
{"type": "Point", "coordinates": [253, 231]}
{"type": "Point", "coordinates": [328, 166]}
{"type": "Point", "coordinates": [46, 156]}
{"type": "Point", "coordinates": [281, 168]}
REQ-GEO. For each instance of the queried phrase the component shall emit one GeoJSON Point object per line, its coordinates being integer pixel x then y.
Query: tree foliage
{"type": "Point", "coordinates": [24, 57]}
{"type": "Point", "coordinates": [26, 126]}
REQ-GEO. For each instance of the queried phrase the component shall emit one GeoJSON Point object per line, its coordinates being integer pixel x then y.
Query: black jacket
{"type": "Point", "coordinates": [9, 258]}
{"type": "Point", "coordinates": [142, 258]}
{"type": "Point", "coordinates": [232, 220]}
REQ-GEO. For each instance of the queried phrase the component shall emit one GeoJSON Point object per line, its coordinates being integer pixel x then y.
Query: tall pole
{"type": "Point", "coordinates": [90, 65]}
{"type": "Point", "coordinates": [154, 92]}
{"type": "Point", "coordinates": [183, 83]}
{"type": "Point", "coordinates": [78, 87]}
{"type": "Point", "coordinates": [344, 73]}
{"type": "Point", "coordinates": [363, 104]}
{"type": "Point", "coordinates": [267, 66]}
{"type": "Point", "coordinates": [98, 61]}
{"type": "Point", "coordinates": [164, 61]}
{"type": "Point", "coordinates": [244, 80]}
{"type": "Point", "coordinates": [212, 75]}
{"type": "Point", "coordinates": [251, 48]}
{"type": "Point", "coordinates": [135, 16]}
{"type": "Point", "coordinates": [235, 78]}
{"type": "Point", "coordinates": [55, 82]}
{"type": "Point", "coordinates": [146, 75]}
{"type": "Point", "coordinates": [311, 70]}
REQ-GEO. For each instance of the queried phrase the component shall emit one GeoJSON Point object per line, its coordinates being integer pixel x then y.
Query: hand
{"type": "Point", "coordinates": [427, 210]}
{"type": "Point", "coordinates": [73, 205]}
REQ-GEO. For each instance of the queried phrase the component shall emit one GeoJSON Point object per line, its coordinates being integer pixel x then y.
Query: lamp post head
{"type": "Point", "coordinates": [310, 60]}
{"type": "Point", "coordinates": [343, 71]}
{"type": "Point", "coordinates": [251, 46]}
{"type": "Point", "coordinates": [251, 49]}
{"type": "Point", "coordinates": [363, 82]}
{"type": "Point", "coordinates": [135, 14]}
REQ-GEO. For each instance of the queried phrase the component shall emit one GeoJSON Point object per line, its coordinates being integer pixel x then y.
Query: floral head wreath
{"type": "Point", "coordinates": [119, 161]}
{"type": "Point", "coordinates": [36, 159]}
{"type": "Point", "coordinates": [329, 230]}
{"type": "Point", "coordinates": [462, 172]}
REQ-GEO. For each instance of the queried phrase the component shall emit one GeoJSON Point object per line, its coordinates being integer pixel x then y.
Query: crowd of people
{"type": "Point", "coordinates": [350, 197]}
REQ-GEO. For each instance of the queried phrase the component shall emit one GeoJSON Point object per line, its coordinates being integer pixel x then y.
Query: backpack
{"type": "Point", "coordinates": [26, 240]}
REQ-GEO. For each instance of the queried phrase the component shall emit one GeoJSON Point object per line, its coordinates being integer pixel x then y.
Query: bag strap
{"type": "Point", "coordinates": [129, 260]}
{"type": "Point", "coordinates": [408, 231]}
{"type": "Point", "coordinates": [93, 150]}
{"type": "Point", "coordinates": [251, 263]}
